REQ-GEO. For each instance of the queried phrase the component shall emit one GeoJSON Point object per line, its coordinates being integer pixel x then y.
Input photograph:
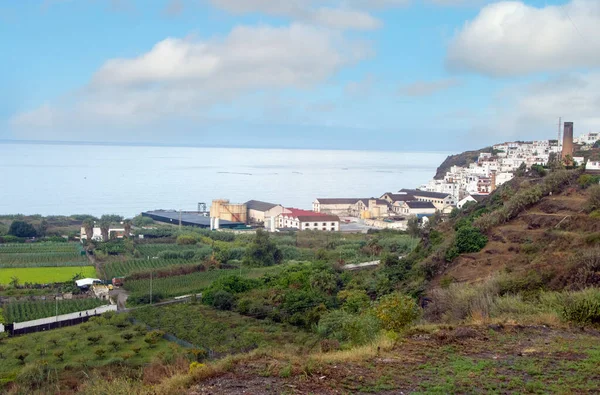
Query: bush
{"type": "Point", "coordinates": [593, 202]}
{"type": "Point", "coordinates": [587, 180]}
{"type": "Point", "coordinates": [354, 301]}
{"type": "Point", "coordinates": [470, 239]}
{"type": "Point", "coordinates": [583, 307]}
{"type": "Point", "coordinates": [396, 311]}
{"type": "Point", "coordinates": [186, 240]}
{"type": "Point", "coordinates": [263, 251]}
{"type": "Point", "coordinates": [222, 300]}
{"type": "Point", "coordinates": [348, 328]}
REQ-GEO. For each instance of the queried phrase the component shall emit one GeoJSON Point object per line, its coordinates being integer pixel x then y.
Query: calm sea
{"type": "Point", "coordinates": [126, 180]}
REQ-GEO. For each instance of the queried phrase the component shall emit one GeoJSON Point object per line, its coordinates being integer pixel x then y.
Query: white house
{"type": "Point", "coordinates": [593, 165]}
{"type": "Point", "coordinates": [118, 233]}
{"type": "Point", "coordinates": [349, 207]}
{"type": "Point", "coordinates": [293, 218]}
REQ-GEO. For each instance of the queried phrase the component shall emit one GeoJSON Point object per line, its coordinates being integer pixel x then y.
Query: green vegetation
{"type": "Point", "coordinates": [22, 229]}
{"type": "Point", "coordinates": [42, 255]}
{"type": "Point", "coordinates": [168, 287]}
{"type": "Point", "coordinates": [32, 310]}
{"type": "Point", "coordinates": [122, 269]}
{"type": "Point", "coordinates": [45, 275]}
{"type": "Point", "coordinates": [221, 332]}
{"type": "Point", "coordinates": [48, 359]}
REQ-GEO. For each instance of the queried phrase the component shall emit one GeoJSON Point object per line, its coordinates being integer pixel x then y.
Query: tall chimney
{"type": "Point", "coordinates": [493, 186]}
{"type": "Point", "coordinates": [567, 148]}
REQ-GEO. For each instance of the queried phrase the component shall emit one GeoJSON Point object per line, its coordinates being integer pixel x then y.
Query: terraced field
{"type": "Point", "coordinates": [42, 255]}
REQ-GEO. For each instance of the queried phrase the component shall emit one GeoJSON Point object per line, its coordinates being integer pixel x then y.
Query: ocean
{"type": "Point", "coordinates": [126, 180]}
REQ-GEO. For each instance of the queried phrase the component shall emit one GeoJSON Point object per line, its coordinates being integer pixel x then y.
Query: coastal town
{"type": "Point", "coordinates": [460, 185]}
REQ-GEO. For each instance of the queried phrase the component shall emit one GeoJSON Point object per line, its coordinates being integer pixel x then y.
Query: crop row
{"type": "Point", "coordinates": [39, 248]}
{"type": "Point", "coordinates": [33, 310]}
{"type": "Point", "coordinates": [191, 283]}
{"type": "Point", "coordinates": [153, 250]}
{"type": "Point", "coordinates": [42, 259]}
{"type": "Point", "coordinates": [122, 269]}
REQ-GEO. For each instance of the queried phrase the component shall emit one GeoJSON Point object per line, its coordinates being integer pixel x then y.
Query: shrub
{"type": "Point", "coordinates": [593, 202]}
{"type": "Point", "coordinates": [583, 307]}
{"type": "Point", "coordinates": [345, 327]}
{"type": "Point", "coordinates": [223, 300]}
{"type": "Point", "coordinates": [186, 240]}
{"type": "Point", "coordinates": [153, 337]}
{"type": "Point", "coordinates": [354, 301]}
{"type": "Point", "coordinates": [470, 239]}
{"type": "Point", "coordinates": [22, 229]}
{"type": "Point", "coordinates": [587, 180]}
{"type": "Point", "coordinates": [100, 352]}
{"type": "Point", "coordinates": [33, 375]}
{"type": "Point", "coordinates": [396, 311]}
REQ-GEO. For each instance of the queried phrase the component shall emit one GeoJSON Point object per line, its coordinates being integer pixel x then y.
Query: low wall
{"type": "Point", "coordinates": [400, 225]}
{"type": "Point", "coordinates": [53, 322]}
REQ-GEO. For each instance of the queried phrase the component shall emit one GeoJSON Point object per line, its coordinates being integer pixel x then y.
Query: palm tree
{"type": "Point", "coordinates": [88, 227]}
{"type": "Point", "coordinates": [127, 226]}
{"type": "Point", "coordinates": [104, 228]}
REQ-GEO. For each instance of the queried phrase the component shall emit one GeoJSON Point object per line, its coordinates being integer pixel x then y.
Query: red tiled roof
{"type": "Point", "coordinates": [305, 215]}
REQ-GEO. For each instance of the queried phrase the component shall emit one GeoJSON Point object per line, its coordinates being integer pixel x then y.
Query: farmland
{"type": "Point", "coordinates": [68, 353]}
{"type": "Point", "coordinates": [152, 250]}
{"type": "Point", "coordinates": [222, 332]}
{"type": "Point", "coordinates": [26, 311]}
{"type": "Point", "coordinates": [41, 255]}
{"type": "Point", "coordinates": [121, 269]}
{"type": "Point", "coordinates": [191, 283]}
{"type": "Point", "coordinates": [45, 275]}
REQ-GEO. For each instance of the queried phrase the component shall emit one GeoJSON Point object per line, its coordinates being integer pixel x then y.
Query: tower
{"type": "Point", "coordinates": [567, 148]}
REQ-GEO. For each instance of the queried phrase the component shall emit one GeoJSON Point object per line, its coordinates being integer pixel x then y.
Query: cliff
{"type": "Point", "coordinates": [459, 160]}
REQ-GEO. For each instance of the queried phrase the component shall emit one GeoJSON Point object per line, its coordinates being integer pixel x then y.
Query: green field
{"type": "Point", "coordinates": [45, 275]}
{"type": "Point", "coordinates": [122, 269]}
{"type": "Point", "coordinates": [71, 352]}
{"type": "Point", "coordinates": [192, 283]}
{"type": "Point", "coordinates": [41, 255]}
{"type": "Point", "coordinates": [33, 310]}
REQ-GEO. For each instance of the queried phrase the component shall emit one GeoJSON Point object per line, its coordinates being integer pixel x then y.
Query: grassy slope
{"type": "Point", "coordinates": [79, 354]}
{"type": "Point", "coordinates": [542, 238]}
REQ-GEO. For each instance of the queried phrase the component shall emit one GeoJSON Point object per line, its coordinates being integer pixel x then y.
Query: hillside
{"type": "Point", "coordinates": [544, 242]}
{"type": "Point", "coordinates": [463, 159]}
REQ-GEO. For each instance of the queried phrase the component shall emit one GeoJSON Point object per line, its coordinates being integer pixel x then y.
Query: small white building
{"type": "Point", "coordinates": [117, 233]}
{"type": "Point", "coordinates": [593, 165]}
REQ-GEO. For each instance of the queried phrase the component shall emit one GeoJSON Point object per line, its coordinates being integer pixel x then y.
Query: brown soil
{"type": "Point", "coordinates": [543, 237]}
{"type": "Point", "coordinates": [416, 364]}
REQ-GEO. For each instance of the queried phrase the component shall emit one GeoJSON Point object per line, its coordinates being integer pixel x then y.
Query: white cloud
{"type": "Point", "coordinates": [334, 14]}
{"type": "Point", "coordinates": [361, 87]}
{"type": "Point", "coordinates": [186, 77]}
{"type": "Point", "coordinates": [511, 38]}
{"type": "Point", "coordinates": [427, 88]}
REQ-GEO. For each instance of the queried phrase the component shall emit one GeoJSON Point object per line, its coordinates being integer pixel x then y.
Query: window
{"type": "Point", "coordinates": [324, 229]}
{"type": "Point", "coordinates": [307, 224]}
{"type": "Point", "coordinates": [324, 224]}
{"type": "Point", "coordinates": [333, 224]}
{"type": "Point", "coordinates": [333, 229]}
{"type": "Point", "coordinates": [316, 224]}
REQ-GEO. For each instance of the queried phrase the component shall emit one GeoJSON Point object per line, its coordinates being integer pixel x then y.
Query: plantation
{"type": "Point", "coordinates": [45, 275]}
{"type": "Point", "coordinates": [219, 332]}
{"type": "Point", "coordinates": [33, 310]}
{"type": "Point", "coordinates": [153, 250]}
{"type": "Point", "coordinates": [56, 358]}
{"type": "Point", "coordinates": [41, 255]}
{"type": "Point", "coordinates": [192, 283]}
{"type": "Point", "coordinates": [122, 269]}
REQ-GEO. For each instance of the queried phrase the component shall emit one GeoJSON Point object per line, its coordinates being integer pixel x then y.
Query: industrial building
{"type": "Point", "coordinates": [259, 212]}
{"type": "Point", "coordinates": [229, 212]}
{"type": "Point", "coordinates": [190, 219]}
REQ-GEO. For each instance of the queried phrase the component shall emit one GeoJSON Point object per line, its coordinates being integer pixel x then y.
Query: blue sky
{"type": "Point", "coordinates": [347, 74]}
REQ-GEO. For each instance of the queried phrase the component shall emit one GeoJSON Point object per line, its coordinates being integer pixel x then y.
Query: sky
{"type": "Point", "coordinates": [408, 75]}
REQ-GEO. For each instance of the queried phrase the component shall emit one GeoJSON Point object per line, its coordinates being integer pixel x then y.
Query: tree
{"type": "Point", "coordinates": [412, 227]}
{"type": "Point", "coordinates": [14, 281]}
{"type": "Point", "coordinates": [43, 228]}
{"type": "Point", "coordinates": [263, 251]}
{"type": "Point", "coordinates": [593, 202]}
{"type": "Point", "coordinates": [22, 229]}
{"type": "Point", "coordinates": [88, 227]}
{"type": "Point", "coordinates": [521, 170]}
{"type": "Point", "coordinates": [104, 229]}
{"type": "Point", "coordinates": [223, 300]}
{"type": "Point", "coordinates": [127, 226]}
{"type": "Point", "coordinates": [114, 344]}
{"type": "Point", "coordinates": [470, 239]}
